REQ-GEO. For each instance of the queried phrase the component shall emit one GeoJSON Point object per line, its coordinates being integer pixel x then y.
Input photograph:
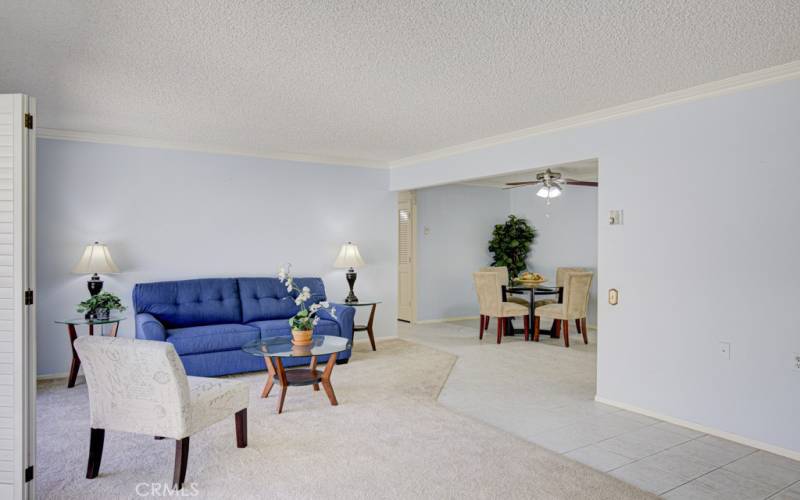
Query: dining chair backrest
{"type": "Point", "coordinates": [135, 385]}
{"type": "Point", "coordinates": [576, 294]}
{"type": "Point", "coordinates": [490, 293]}
{"type": "Point", "coordinates": [501, 270]}
{"type": "Point", "coordinates": [561, 273]}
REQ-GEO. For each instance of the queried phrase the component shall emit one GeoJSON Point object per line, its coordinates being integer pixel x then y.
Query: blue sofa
{"type": "Point", "coordinates": [208, 320]}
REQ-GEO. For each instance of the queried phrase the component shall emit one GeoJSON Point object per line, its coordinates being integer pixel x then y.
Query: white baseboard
{"type": "Point", "coordinates": [445, 320]}
{"type": "Point", "coordinates": [794, 455]}
{"type": "Point", "coordinates": [52, 376]}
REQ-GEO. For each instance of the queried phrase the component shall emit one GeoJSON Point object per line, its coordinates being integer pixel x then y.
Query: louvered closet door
{"type": "Point", "coordinates": [17, 338]}
{"type": "Point", "coordinates": [405, 278]}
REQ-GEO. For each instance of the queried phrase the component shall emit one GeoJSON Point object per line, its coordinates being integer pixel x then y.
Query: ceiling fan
{"type": "Point", "coordinates": [551, 184]}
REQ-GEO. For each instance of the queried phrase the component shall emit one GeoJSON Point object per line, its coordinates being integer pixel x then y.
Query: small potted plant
{"type": "Point", "coordinates": [306, 319]}
{"type": "Point", "coordinates": [100, 306]}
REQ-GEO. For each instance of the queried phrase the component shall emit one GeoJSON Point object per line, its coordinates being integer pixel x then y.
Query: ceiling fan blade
{"type": "Point", "coordinates": [523, 183]}
{"type": "Point", "coordinates": [573, 182]}
{"type": "Point", "coordinates": [512, 187]}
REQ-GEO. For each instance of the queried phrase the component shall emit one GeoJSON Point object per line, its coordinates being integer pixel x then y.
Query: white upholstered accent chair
{"type": "Point", "coordinates": [561, 274]}
{"type": "Point", "coordinates": [140, 386]}
{"type": "Point", "coordinates": [574, 306]}
{"type": "Point", "coordinates": [490, 299]}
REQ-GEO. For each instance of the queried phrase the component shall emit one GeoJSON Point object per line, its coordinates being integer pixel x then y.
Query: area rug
{"type": "Point", "coordinates": [388, 438]}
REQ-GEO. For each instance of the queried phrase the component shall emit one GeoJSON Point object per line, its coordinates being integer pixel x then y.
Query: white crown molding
{"type": "Point", "coordinates": [758, 78]}
{"type": "Point", "coordinates": [70, 135]}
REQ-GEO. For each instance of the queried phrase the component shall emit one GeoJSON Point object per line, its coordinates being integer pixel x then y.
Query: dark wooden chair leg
{"type": "Point", "coordinates": [536, 321]}
{"type": "Point", "coordinates": [525, 327]}
{"type": "Point", "coordinates": [96, 438]}
{"type": "Point", "coordinates": [578, 325]}
{"type": "Point", "coordinates": [566, 332]}
{"type": "Point", "coordinates": [555, 329]}
{"type": "Point", "coordinates": [241, 428]}
{"type": "Point", "coordinates": [487, 322]}
{"type": "Point", "coordinates": [181, 459]}
{"type": "Point", "coordinates": [500, 324]}
{"type": "Point", "coordinates": [483, 323]}
{"type": "Point", "coordinates": [584, 331]}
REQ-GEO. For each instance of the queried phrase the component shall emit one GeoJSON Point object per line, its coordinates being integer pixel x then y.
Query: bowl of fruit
{"type": "Point", "coordinates": [530, 278]}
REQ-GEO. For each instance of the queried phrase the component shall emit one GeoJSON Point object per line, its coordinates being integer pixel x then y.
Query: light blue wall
{"type": "Point", "coordinates": [173, 214]}
{"type": "Point", "coordinates": [459, 220]}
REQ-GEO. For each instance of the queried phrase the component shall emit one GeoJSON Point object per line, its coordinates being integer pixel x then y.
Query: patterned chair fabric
{"type": "Point", "coordinates": [140, 386]}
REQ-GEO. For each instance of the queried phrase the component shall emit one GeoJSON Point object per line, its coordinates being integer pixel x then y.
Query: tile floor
{"type": "Point", "coordinates": [545, 393]}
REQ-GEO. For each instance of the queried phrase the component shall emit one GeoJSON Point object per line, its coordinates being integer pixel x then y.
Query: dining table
{"type": "Point", "coordinates": [532, 290]}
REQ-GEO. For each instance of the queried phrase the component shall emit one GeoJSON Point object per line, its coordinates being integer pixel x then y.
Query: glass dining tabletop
{"type": "Point", "coordinates": [95, 321]}
{"type": "Point", "coordinates": [282, 347]}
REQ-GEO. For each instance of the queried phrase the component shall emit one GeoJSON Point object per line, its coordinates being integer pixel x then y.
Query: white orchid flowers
{"type": "Point", "coordinates": [306, 318]}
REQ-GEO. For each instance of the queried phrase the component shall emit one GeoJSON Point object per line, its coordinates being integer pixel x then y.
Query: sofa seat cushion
{"type": "Point", "coordinates": [280, 327]}
{"type": "Point", "coordinates": [211, 338]}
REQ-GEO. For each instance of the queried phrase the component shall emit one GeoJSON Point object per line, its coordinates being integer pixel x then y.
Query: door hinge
{"type": "Point", "coordinates": [28, 120]}
{"type": "Point", "coordinates": [29, 474]}
{"type": "Point", "coordinates": [28, 297]}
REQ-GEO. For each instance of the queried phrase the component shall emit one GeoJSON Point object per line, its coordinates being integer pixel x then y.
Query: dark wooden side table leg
{"type": "Point", "coordinates": [313, 367]}
{"type": "Point", "coordinates": [270, 377]}
{"type": "Point", "coordinates": [326, 379]}
{"type": "Point", "coordinates": [76, 361]}
{"type": "Point", "coordinates": [284, 384]}
{"type": "Point", "coordinates": [369, 326]}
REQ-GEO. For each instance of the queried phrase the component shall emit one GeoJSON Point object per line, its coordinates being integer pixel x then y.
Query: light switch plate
{"type": "Point", "coordinates": [615, 217]}
{"type": "Point", "coordinates": [613, 296]}
{"type": "Point", "coordinates": [796, 361]}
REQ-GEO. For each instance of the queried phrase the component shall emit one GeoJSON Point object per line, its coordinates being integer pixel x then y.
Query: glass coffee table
{"type": "Point", "coordinates": [275, 349]}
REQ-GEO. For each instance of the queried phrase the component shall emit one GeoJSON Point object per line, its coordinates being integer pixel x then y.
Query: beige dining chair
{"type": "Point", "coordinates": [561, 274]}
{"type": "Point", "coordinates": [574, 307]}
{"type": "Point", "coordinates": [503, 272]}
{"type": "Point", "coordinates": [490, 298]}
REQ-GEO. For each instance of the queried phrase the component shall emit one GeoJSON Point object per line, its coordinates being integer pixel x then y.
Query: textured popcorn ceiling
{"type": "Point", "coordinates": [369, 80]}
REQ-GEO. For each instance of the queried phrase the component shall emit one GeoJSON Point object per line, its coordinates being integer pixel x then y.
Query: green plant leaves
{"type": "Point", "coordinates": [511, 243]}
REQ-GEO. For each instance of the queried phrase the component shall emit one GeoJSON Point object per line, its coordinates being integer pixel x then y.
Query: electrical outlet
{"type": "Point", "coordinates": [725, 350]}
{"type": "Point", "coordinates": [796, 361]}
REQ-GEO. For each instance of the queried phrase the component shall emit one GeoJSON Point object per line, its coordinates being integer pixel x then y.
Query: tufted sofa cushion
{"type": "Point", "coordinates": [266, 299]}
{"type": "Point", "coordinates": [179, 304]}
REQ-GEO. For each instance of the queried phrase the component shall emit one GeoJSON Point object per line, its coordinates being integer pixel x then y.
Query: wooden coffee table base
{"type": "Point", "coordinates": [299, 376]}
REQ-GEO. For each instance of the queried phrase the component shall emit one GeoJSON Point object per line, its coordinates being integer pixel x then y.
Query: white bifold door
{"type": "Point", "coordinates": [17, 278]}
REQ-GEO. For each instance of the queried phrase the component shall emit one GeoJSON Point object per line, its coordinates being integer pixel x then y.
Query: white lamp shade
{"type": "Point", "coordinates": [349, 256]}
{"type": "Point", "coordinates": [95, 259]}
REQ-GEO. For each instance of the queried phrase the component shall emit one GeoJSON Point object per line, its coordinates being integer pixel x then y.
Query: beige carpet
{"type": "Point", "coordinates": [388, 438]}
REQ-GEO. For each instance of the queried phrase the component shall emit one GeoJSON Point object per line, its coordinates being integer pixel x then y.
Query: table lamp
{"type": "Point", "coordinates": [95, 259]}
{"type": "Point", "coordinates": [349, 258]}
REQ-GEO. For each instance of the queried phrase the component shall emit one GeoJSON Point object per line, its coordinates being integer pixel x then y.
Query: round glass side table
{"type": "Point", "coordinates": [73, 334]}
{"type": "Point", "coordinates": [368, 327]}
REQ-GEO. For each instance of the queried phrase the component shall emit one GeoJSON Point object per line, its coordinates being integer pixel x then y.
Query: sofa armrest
{"type": "Point", "coordinates": [149, 328]}
{"type": "Point", "coordinates": [344, 317]}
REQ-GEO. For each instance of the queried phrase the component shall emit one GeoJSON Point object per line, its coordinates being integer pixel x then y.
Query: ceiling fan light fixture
{"type": "Point", "coordinates": [550, 190]}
